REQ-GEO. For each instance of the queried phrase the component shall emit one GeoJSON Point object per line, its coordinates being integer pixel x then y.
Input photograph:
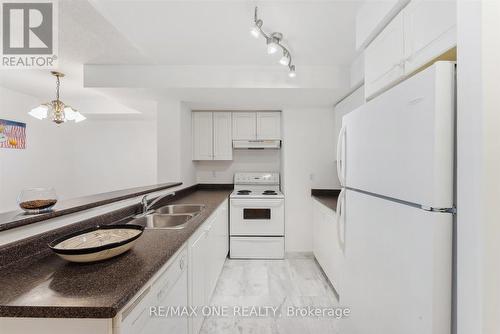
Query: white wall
{"type": "Point", "coordinates": [243, 161]}
{"type": "Point", "coordinates": [46, 161]}
{"type": "Point", "coordinates": [112, 153]}
{"type": "Point", "coordinates": [478, 193]}
{"type": "Point", "coordinates": [308, 162]}
{"type": "Point", "coordinates": [69, 157]}
{"type": "Point", "coordinates": [174, 143]}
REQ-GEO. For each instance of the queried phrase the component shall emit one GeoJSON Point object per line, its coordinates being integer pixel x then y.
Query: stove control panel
{"type": "Point", "coordinates": [257, 178]}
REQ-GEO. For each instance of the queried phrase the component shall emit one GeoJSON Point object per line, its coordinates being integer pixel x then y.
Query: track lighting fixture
{"type": "Point", "coordinates": [273, 41]}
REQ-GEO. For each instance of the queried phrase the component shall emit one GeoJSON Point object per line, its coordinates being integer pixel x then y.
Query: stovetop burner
{"type": "Point", "coordinates": [269, 192]}
{"type": "Point", "coordinates": [257, 193]}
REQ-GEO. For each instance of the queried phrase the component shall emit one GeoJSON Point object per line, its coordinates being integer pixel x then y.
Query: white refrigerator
{"type": "Point", "coordinates": [396, 165]}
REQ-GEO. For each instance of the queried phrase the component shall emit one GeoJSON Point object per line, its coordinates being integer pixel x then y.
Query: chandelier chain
{"type": "Point", "coordinates": [57, 88]}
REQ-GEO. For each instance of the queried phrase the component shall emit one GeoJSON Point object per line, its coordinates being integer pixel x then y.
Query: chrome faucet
{"type": "Point", "coordinates": [146, 206]}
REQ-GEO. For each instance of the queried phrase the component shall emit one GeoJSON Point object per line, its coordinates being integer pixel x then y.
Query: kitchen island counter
{"type": "Point", "coordinates": [45, 286]}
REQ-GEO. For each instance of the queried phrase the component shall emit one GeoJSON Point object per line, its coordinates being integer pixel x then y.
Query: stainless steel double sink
{"type": "Point", "coordinates": [172, 217]}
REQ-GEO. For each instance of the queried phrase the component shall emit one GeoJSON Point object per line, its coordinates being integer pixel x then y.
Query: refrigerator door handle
{"type": "Point", "coordinates": [341, 220]}
{"type": "Point", "coordinates": [340, 155]}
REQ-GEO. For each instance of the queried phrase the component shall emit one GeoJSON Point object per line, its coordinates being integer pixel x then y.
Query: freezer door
{"type": "Point", "coordinates": [401, 144]}
{"type": "Point", "coordinates": [397, 269]}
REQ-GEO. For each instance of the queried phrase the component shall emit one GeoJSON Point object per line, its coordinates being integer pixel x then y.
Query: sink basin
{"type": "Point", "coordinates": [180, 209]}
{"type": "Point", "coordinates": [163, 221]}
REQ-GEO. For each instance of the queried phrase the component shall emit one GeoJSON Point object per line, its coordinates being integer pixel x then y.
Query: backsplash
{"type": "Point", "coordinates": [243, 161]}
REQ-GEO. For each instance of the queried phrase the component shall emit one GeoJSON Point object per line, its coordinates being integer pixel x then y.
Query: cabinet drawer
{"type": "Point", "coordinates": [257, 247]}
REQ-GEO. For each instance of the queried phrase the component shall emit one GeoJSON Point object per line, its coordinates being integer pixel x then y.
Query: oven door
{"type": "Point", "coordinates": [257, 217]}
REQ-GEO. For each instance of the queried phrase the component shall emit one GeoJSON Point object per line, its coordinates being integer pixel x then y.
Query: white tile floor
{"type": "Point", "coordinates": [279, 283]}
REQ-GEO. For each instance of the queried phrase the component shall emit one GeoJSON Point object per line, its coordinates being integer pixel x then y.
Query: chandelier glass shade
{"type": "Point", "coordinates": [56, 110]}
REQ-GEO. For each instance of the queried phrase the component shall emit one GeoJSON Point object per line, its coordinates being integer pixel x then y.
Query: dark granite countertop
{"type": "Point", "coordinates": [328, 197]}
{"type": "Point", "coordinates": [18, 218]}
{"type": "Point", "coordinates": [49, 287]}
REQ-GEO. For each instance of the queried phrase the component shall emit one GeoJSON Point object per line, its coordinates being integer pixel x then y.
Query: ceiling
{"type": "Point", "coordinates": [205, 33]}
{"type": "Point", "coordinates": [217, 32]}
{"type": "Point", "coordinates": [81, 40]}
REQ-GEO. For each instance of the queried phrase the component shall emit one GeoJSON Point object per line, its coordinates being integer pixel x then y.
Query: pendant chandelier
{"type": "Point", "coordinates": [56, 109]}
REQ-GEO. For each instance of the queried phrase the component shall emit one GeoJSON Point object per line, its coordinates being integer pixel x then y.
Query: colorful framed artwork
{"type": "Point", "coordinates": [12, 134]}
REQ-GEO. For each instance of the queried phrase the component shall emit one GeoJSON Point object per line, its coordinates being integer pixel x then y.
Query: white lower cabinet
{"type": "Point", "coordinates": [208, 249]}
{"type": "Point", "coordinates": [197, 277]}
{"type": "Point", "coordinates": [15, 325]}
{"type": "Point", "coordinates": [326, 245]}
{"type": "Point", "coordinates": [169, 288]}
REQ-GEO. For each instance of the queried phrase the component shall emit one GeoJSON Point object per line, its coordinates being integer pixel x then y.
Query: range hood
{"type": "Point", "coordinates": [256, 144]}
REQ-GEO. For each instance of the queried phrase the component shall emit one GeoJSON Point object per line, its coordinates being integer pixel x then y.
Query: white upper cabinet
{"type": "Point", "coordinates": [372, 17]}
{"type": "Point", "coordinates": [269, 125]}
{"type": "Point", "coordinates": [212, 135]}
{"type": "Point", "coordinates": [214, 131]}
{"type": "Point", "coordinates": [423, 31]}
{"type": "Point", "coordinates": [430, 30]}
{"type": "Point", "coordinates": [262, 125]}
{"type": "Point", "coordinates": [358, 71]}
{"type": "Point", "coordinates": [223, 149]}
{"type": "Point", "coordinates": [244, 125]}
{"type": "Point", "coordinates": [384, 58]}
{"type": "Point", "coordinates": [202, 136]}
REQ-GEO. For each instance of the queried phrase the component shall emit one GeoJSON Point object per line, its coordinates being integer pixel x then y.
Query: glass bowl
{"type": "Point", "coordinates": [37, 200]}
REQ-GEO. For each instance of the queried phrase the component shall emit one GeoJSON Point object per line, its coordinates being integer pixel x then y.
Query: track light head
{"type": "Point", "coordinates": [255, 30]}
{"type": "Point", "coordinates": [272, 45]}
{"type": "Point", "coordinates": [285, 60]}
